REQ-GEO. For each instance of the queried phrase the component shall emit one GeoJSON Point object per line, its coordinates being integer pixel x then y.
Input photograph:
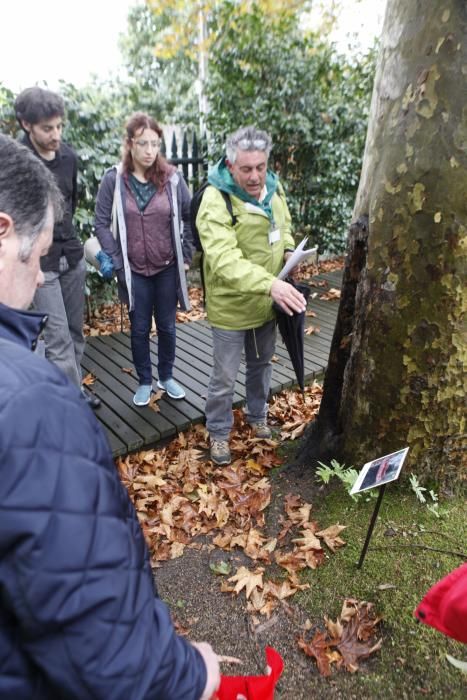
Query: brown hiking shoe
{"type": "Point", "coordinates": [220, 452]}
{"type": "Point", "coordinates": [261, 430]}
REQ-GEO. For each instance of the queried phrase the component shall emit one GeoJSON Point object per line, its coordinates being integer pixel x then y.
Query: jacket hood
{"type": "Point", "coordinates": [445, 605]}
{"type": "Point", "coordinates": [22, 327]}
{"type": "Point", "coordinates": [221, 179]}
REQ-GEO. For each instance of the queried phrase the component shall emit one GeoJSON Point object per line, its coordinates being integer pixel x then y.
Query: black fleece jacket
{"type": "Point", "coordinates": [65, 242]}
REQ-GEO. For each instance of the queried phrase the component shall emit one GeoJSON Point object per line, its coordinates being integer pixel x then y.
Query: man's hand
{"type": "Point", "coordinates": [288, 298]}
{"type": "Point", "coordinates": [213, 674]}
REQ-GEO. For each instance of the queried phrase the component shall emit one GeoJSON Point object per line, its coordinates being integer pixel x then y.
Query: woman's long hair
{"type": "Point", "coordinates": [160, 170]}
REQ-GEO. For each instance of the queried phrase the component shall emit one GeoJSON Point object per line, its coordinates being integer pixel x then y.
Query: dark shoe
{"type": "Point", "coordinates": [220, 452]}
{"type": "Point", "coordinates": [261, 430]}
{"type": "Point", "coordinates": [91, 399]}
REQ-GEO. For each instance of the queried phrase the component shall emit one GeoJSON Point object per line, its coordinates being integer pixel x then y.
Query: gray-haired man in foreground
{"type": "Point", "coordinates": [244, 252]}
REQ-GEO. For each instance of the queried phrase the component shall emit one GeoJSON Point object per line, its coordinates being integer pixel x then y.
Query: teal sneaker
{"type": "Point", "coordinates": [143, 395]}
{"type": "Point", "coordinates": [173, 389]}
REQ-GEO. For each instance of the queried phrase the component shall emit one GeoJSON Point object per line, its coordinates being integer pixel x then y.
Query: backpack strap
{"type": "Point", "coordinates": [228, 204]}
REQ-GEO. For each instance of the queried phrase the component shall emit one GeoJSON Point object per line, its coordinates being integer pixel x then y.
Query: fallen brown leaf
{"type": "Point", "coordinates": [248, 580]}
{"type": "Point", "coordinates": [318, 648]}
{"type": "Point", "coordinates": [331, 536]}
{"type": "Point", "coordinates": [331, 294]}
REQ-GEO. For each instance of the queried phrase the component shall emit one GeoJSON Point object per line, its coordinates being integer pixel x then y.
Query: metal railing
{"type": "Point", "coordinates": [192, 159]}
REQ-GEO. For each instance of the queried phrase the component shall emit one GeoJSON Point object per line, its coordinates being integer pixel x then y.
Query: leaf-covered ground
{"type": "Point", "coordinates": [258, 554]}
{"type": "Point", "coordinates": [219, 516]}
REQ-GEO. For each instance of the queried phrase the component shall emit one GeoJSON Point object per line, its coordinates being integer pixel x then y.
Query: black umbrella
{"type": "Point", "coordinates": [292, 331]}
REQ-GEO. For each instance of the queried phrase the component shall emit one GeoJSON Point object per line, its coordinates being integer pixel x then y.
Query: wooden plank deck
{"type": "Point", "coordinates": [130, 428]}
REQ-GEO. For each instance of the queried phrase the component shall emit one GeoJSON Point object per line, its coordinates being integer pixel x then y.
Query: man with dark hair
{"type": "Point", "coordinates": [40, 113]}
{"type": "Point", "coordinates": [243, 254]}
{"type": "Point", "coordinates": [79, 613]}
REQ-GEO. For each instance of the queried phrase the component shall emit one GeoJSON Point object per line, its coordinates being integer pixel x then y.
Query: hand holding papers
{"type": "Point", "coordinates": [297, 257]}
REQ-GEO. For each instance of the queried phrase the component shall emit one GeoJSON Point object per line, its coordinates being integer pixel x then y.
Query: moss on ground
{"type": "Point", "coordinates": [412, 662]}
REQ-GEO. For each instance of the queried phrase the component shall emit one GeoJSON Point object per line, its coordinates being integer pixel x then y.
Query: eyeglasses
{"type": "Point", "coordinates": [246, 144]}
{"type": "Point", "coordinates": [142, 144]}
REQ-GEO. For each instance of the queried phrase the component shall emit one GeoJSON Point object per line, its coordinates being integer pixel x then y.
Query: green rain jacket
{"type": "Point", "coordinates": [240, 264]}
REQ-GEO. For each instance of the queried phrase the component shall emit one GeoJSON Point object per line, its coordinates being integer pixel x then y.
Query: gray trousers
{"type": "Point", "coordinates": [62, 299]}
{"type": "Point", "coordinates": [259, 344]}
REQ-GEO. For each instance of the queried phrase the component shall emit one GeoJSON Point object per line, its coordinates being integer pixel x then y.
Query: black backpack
{"type": "Point", "coordinates": [194, 208]}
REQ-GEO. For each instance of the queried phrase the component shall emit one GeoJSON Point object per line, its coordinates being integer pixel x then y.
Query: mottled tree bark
{"type": "Point", "coordinates": [397, 368]}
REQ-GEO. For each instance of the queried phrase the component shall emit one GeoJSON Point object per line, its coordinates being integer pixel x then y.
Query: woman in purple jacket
{"type": "Point", "coordinates": [143, 223]}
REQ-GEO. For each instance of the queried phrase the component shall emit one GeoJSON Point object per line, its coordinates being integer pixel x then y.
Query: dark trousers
{"type": "Point", "coordinates": [154, 295]}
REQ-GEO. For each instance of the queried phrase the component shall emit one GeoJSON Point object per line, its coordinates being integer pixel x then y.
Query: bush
{"type": "Point", "coordinates": [268, 72]}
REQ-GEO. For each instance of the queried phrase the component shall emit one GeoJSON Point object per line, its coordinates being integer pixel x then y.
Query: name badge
{"type": "Point", "coordinates": [274, 236]}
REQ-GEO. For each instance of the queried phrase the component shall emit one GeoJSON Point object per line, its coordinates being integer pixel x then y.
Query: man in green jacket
{"type": "Point", "coordinates": [243, 254]}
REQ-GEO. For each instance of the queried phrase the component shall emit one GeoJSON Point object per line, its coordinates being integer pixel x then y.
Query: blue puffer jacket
{"type": "Point", "coordinates": [79, 615]}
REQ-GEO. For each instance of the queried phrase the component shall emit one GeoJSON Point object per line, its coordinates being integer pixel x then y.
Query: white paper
{"type": "Point", "coordinates": [297, 257]}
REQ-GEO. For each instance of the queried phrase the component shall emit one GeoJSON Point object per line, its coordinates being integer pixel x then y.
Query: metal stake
{"type": "Point", "coordinates": [372, 524]}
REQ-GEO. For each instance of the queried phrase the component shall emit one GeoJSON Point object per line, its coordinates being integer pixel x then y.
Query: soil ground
{"type": "Point", "coordinates": [193, 593]}
{"type": "Point", "coordinates": [412, 661]}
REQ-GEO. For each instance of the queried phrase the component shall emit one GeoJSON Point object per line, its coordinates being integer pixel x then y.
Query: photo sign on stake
{"type": "Point", "coordinates": [380, 471]}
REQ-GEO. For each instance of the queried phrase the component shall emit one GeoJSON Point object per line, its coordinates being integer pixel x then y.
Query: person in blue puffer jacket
{"type": "Point", "coordinates": [79, 613]}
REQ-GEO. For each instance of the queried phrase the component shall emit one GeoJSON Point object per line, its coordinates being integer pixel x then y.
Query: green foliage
{"type": "Point", "coordinates": [164, 88]}
{"type": "Point", "coordinates": [94, 127]}
{"type": "Point", "coordinates": [420, 492]}
{"type": "Point", "coordinates": [347, 475]}
{"type": "Point", "coordinates": [263, 69]}
{"type": "Point", "coordinates": [314, 103]}
{"type": "Point", "coordinates": [8, 123]}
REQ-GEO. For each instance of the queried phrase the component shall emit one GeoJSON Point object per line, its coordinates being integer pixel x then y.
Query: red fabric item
{"type": "Point", "coordinates": [445, 605]}
{"type": "Point", "coordinates": [253, 687]}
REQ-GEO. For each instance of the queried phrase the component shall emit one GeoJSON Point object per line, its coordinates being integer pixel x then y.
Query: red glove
{"type": "Point", "coordinates": [252, 687]}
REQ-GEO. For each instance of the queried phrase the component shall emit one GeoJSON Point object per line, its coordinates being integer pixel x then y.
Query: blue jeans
{"type": "Point", "coordinates": [259, 344]}
{"type": "Point", "coordinates": [62, 299]}
{"type": "Point", "coordinates": [156, 295]}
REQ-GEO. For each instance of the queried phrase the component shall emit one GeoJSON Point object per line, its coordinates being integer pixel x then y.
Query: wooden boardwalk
{"type": "Point", "coordinates": [130, 428]}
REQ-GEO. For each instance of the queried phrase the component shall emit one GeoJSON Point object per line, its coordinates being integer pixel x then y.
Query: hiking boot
{"type": "Point", "coordinates": [261, 430]}
{"type": "Point", "coordinates": [220, 452]}
{"type": "Point", "coordinates": [173, 389]}
{"type": "Point", "coordinates": [91, 399]}
{"type": "Point", "coordinates": [143, 395]}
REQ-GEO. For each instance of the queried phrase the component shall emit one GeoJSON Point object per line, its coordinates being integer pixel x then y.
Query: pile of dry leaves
{"type": "Point", "coordinates": [179, 494]}
{"type": "Point", "coordinates": [347, 641]}
{"type": "Point", "coordinates": [183, 500]}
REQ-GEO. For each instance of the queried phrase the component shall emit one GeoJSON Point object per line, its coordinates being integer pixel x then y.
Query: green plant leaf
{"type": "Point", "coordinates": [222, 568]}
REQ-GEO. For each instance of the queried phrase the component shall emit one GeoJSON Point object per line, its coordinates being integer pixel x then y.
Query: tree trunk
{"type": "Point", "coordinates": [396, 373]}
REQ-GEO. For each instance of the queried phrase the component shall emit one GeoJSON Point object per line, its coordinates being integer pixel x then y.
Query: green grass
{"type": "Point", "coordinates": [412, 661]}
